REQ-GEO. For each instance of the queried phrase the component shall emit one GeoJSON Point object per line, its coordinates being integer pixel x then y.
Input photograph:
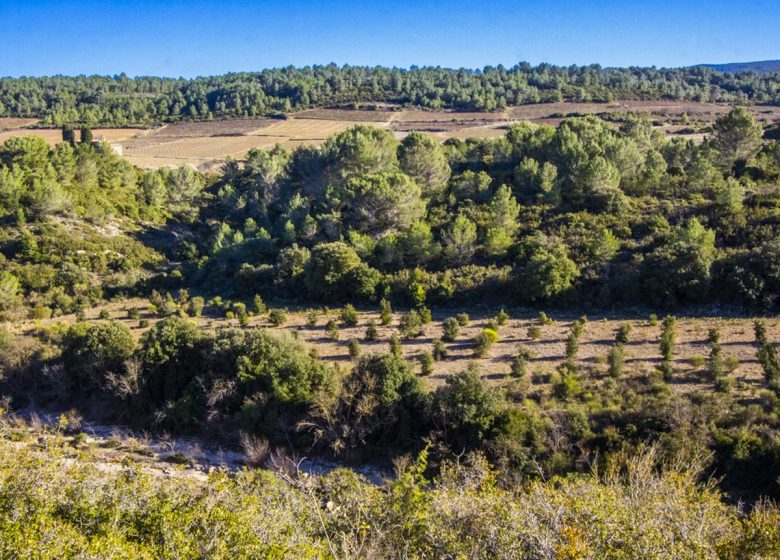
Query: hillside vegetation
{"type": "Point", "coordinates": [123, 101]}
{"type": "Point", "coordinates": [406, 238]}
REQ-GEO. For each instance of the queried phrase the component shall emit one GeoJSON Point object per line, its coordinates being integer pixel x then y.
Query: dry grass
{"type": "Point", "coordinates": [54, 136]}
{"type": "Point", "coordinates": [10, 123]}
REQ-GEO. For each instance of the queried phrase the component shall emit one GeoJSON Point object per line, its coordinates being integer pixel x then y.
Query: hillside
{"type": "Point", "coordinates": [759, 66]}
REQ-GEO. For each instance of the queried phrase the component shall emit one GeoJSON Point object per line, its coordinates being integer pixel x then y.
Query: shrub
{"type": "Point", "coordinates": [534, 332]}
{"type": "Point", "coordinates": [133, 314]}
{"type": "Point", "coordinates": [311, 317]}
{"type": "Point", "coordinates": [450, 329]}
{"type": "Point", "coordinates": [463, 319]}
{"type": "Point", "coordinates": [90, 355]}
{"type": "Point", "coordinates": [439, 350]}
{"type": "Point", "coordinates": [277, 316]}
{"type": "Point", "coordinates": [543, 319]}
{"type": "Point", "coordinates": [484, 341]}
{"type": "Point", "coordinates": [615, 360]}
{"type": "Point", "coordinates": [502, 317]}
{"type": "Point", "coordinates": [426, 363]}
{"type": "Point", "coordinates": [652, 320]}
{"type": "Point", "coordinates": [196, 306]}
{"type": "Point", "coordinates": [354, 348]}
{"type": "Point", "coordinates": [371, 331]}
{"type": "Point", "coordinates": [349, 315]}
{"type": "Point", "coordinates": [623, 333]}
{"type": "Point", "coordinates": [143, 323]}
{"type": "Point", "coordinates": [395, 345]}
{"type": "Point", "coordinates": [258, 305]}
{"type": "Point", "coordinates": [518, 370]}
{"type": "Point", "coordinates": [385, 312]}
{"type": "Point", "coordinates": [668, 337]}
{"type": "Point", "coordinates": [332, 329]}
{"type": "Point", "coordinates": [411, 324]}
{"type": "Point", "coordinates": [425, 314]}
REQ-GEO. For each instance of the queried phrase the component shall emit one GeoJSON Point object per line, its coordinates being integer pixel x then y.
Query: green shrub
{"type": "Point", "coordinates": [543, 319]}
{"type": "Point", "coordinates": [426, 363]}
{"type": "Point", "coordinates": [133, 314]}
{"type": "Point", "coordinates": [349, 315]}
{"type": "Point", "coordinates": [196, 306]}
{"type": "Point", "coordinates": [502, 317]}
{"type": "Point", "coordinates": [518, 370]}
{"type": "Point", "coordinates": [534, 332]}
{"type": "Point", "coordinates": [463, 319]}
{"type": "Point", "coordinates": [425, 314]}
{"type": "Point", "coordinates": [311, 317]}
{"type": "Point", "coordinates": [439, 350]}
{"type": "Point", "coordinates": [623, 333]}
{"type": "Point", "coordinates": [277, 316]}
{"type": "Point", "coordinates": [371, 331]}
{"type": "Point", "coordinates": [395, 345]}
{"type": "Point", "coordinates": [332, 329]}
{"type": "Point", "coordinates": [258, 305]}
{"type": "Point", "coordinates": [385, 312]}
{"type": "Point", "coordinates": [484, 341]}
{"type": "Point", "coordinates": [411, 325]}
{"type": "Point", "coordinates": [354, 348]}
{"type": "Point", "coordinates": [615, 360]}
{"type": "Point", "coordinates": [450, 329]}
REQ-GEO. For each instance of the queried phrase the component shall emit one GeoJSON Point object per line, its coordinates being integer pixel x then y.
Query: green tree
{"type": "Point", "coordinates": [736, 136]}
{"type": "Point", "coordinates": [460, 240]}
{"type": "Point", "coordinates": [423, 159]}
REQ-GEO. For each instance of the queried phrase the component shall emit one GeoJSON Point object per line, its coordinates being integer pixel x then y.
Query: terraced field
{"type": "Point", "coordinates": [207, 144]}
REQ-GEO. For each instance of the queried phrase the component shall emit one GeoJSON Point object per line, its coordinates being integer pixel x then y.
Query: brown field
{"type": "Point", "coordinates": [642, 353]}
{"type": "Point", "coordinates": [54, 136]}
{"type": "Point", "coordinates": [207, 144]}
{"type": "Point", "coordinates": [10, 123]}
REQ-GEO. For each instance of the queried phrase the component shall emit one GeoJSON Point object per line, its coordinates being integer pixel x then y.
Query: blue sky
{"type": "Point", "coordinates": [192, 38]}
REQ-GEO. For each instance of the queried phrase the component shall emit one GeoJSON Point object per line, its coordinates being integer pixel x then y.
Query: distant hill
{"type": "Point", "coordinates": [759, 66]}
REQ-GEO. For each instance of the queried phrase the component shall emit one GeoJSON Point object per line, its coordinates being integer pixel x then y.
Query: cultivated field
{"type": "Point", "coordinates": [642, 354]}
{"type": "Point", "coordinates": [207, 144]}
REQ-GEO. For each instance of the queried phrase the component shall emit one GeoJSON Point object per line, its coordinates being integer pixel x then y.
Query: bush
{"type": "Point", "coordinates": [450, 329]}
{"type": "Point", "coordinates": [425, 314]}
{"type": "Point", "coordinates": [258, 305]}
{"type": "Point", "coordinates": [133, 314]}
{"type": "Point", "coordinates": [311, 317]}
{"type": "Point", "coordinates": [196, 306]}
{"type": "Point", "coordinates": [277, 316]}
{"type": "Point", "coordinates": [484, 341]}
{"type": "Point", "coordinates": [439, 350]}
{"type": "Point", "coordinates": [518, 370]}
{"type": "Point", "coordinates": [426, 363]}
{"type": "Point", "coordinates": [502, 317]}
{"type": "Point", "coordinates": [615, 360]}
{"type": "Point", "coordinates": [385, 312]}
{"type": "Point", "coordinates": [543, 319]}
{"type": "Point", "coordinates": [623, 332]}
{"type": "Point", "coordinates": [332, 329]}
{"type": "Point", "coordinates": [463, 319]}
{"type": "Point", "coordinates": [354, 348]}
{"type": "Point", "coordinates": [349, 315]}
{"type": "Point", "coordinates": [395, 345]}
{"type": "Point", "coordinates": [534, 332]}
{"type": "Point", "coordinates": [411, 324]}
{"type": "Point", "coordinates": [92, 354]}
{"type": "Point", "coordinates": [371, 331]}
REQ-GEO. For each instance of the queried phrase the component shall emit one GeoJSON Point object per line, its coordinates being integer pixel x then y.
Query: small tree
{"type": "Point", "coordinates": [277, 316]}
{"type": "Point", "coordinates": [668, 339]}
{"type": "Point", "coordinates": [349, 315]}
{"type": "Point", "coordinates": [332, 328]}
{"type": "Point", "coordinates": [196, 306]}
{"type": "Point", "coordinates": [616, 360]}
{"type": "Point", "coordinates": [463, 319]}
{"type": "Point", "coordinates": [411, 324]}
{"type": "Point", "coordinates": [395, 345]}
{"type": "Point", "coordinates": [534, 332]}
{"type": "Point", "coordinates": [543, 319]}
{"type": "Point", "coordinates": [439, 350]}
{"type": "Point", "coordinates": [484, 340]}
{"type": "Point", "coordinates": [385, 312]}
{"type": "Point", "coordinates": [623, 333]}
{"type": "Point", "coordinates": [426, 363]}
{"type": "Point", "coordinates": [518, 370]}
{"type": "Point", "coordinates": [311, 317]}
{"type": "Point", "coordinates": [354, 348]}
{"type": "Point", "coordinates": [258, 305]}
{"type": "Point", "coordinates": [450, 329]}
{"type": "Point", "coordinates": [502, 317]}
{"type": "Point", "coordinates": [767, 355]}
{"type": "Point", "coordinates": [371, 331]}
{"type": "Point", "coordinates": [86, 135]}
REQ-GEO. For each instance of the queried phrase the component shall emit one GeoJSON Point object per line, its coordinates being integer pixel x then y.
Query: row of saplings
{"type": "Point", "coordinates": [412, 325]}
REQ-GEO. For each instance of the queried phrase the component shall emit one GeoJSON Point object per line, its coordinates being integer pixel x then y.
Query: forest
{"type": "Point", "coordinates": [585, 217]}
{"type": "Point", "coordinates": [122, 101]}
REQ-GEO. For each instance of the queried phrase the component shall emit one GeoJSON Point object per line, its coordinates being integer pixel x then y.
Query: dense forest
{"type": "Point", "coordinates": [124, 101]}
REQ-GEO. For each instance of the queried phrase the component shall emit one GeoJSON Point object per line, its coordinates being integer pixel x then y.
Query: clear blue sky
{"type": "Point", "coordinates": [195, 37]}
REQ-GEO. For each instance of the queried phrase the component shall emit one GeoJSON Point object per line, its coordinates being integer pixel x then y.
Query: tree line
{"type": "Point", "coordinates": [123, 101]}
